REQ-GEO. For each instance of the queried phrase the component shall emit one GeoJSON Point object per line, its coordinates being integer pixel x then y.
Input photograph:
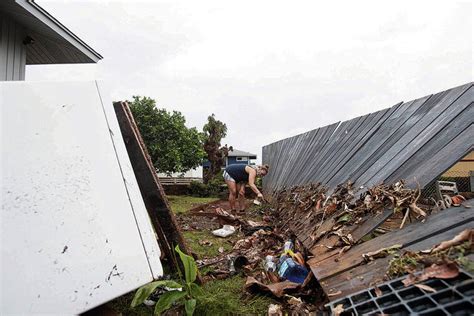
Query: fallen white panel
{"type": "Point", "coordinates": [74, 229]}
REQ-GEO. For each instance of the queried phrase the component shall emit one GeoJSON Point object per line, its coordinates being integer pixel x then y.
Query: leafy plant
{"type": "Point", "coordinates": [184, 293]}
{"type": "Point", "coordinates": [197, 188]}
{"type": "Point", "coordinates": [172, 146]}
{"type": "Point", "coordinates": [211, 188]}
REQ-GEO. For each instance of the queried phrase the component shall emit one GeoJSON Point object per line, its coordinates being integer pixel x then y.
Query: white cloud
{"type": "Point", "coordinates": [270, 69]}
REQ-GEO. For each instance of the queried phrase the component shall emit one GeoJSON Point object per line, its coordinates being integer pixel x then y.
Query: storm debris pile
{"type": "Point", "coordinates": [256, 239]}
{"type": "Point", "coordinates": [343, 210]}
{"type": "Point", "coordinates": [450, 253]}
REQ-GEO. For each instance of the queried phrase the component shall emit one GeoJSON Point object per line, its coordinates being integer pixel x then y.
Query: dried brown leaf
{"type": "Point", "coordinates": [338, 310]}
{"type": "Point", "coordinates": [465, 235]}
{"type": "Point", "coordinates": [425, 287]}
{"type": "Point", "coordinates": [335, 294]}
{"type": "Point", "coordinates": [442, 271]}
{"type": "Point", "coordinates": [382, 252]}
{"type": "Point", "coordinates": [378, 292]}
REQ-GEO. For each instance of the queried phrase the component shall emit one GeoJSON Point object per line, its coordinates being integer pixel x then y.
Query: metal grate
{"type": "Point", "coordinates": [452, 297]}
{"type": "Point", "coordinates": [463, 183]}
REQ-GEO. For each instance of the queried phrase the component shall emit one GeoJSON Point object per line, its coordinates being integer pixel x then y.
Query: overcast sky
{"type": "Point", "coordinates": [269, 69]}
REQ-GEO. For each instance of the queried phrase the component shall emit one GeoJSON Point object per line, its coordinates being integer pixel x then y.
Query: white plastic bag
{"type": "Point", "coordinates": [225, 231]}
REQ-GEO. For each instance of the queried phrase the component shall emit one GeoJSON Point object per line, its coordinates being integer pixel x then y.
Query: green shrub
{"type": "Point", "coordinates": [214, 185]}
{"type": "Point", "coordinates": [197, 188]}
{"type": "Point", "coordinates": [212, 189]}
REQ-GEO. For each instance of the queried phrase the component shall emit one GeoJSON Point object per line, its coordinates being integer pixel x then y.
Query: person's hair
{"type": "Point", "coordinates": [265, 167]}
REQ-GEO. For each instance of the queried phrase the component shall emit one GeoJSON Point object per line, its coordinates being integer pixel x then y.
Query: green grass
{"type": "Point", "coordinates": [221, 297]}
{"type": "Point", "coordinates": [226, 297]}
{"type": "Point", "coordinates": [122, 305]}
{"type": "Point", "coordinates": [194, 236]}
{"type": "Point", "coordinates": [182, 203]}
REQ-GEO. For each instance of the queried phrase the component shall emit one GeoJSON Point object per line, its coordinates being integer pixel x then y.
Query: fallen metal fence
{"type": "Point", "coordinates": [416, 141]}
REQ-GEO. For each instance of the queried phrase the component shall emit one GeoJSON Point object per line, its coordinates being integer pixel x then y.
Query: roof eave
{"type": "Point", "coordinates": [46, 18]}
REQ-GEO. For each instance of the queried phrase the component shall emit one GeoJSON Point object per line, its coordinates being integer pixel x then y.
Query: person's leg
{"type": "Point", "coordinates": [232, 193]}
{"type": "Point", "coordinates": [241, 191]}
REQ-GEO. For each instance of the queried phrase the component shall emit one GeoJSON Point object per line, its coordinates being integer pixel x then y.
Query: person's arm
{"type": "Point", "coordinates": [252, 175]}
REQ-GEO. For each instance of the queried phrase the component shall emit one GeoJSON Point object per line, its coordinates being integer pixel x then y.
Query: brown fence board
{"type": "Point", "coordinates": [413, 233]}
{"type": "Point", "coordinates": [373, 273]}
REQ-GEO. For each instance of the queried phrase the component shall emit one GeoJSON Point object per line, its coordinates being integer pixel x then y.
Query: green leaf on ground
{"type": "Point", "coordinates": [190, 267]}
{"type": "Point", "coordinates": [345, 218]}
{"type": "Point", "coordinates": [189, 306]}
{"type": "Point", "coordinates": [167, 299]}
{"type": "Point", "coordinates": [145, 291]}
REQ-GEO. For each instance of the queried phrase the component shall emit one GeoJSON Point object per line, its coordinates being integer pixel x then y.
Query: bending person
{"type": "Point", "coordinates": [236, 176]}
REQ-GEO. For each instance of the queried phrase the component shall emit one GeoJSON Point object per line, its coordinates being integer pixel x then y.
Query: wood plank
{"type": "Point", "coordinates": [373, 273]}
{"type": "Point", "coordinates": [373, 121]}
{"type": "Point", "coordinates": [292, 164]}
{"type": "Point", "coordinates": [411, 234]}
{"type": "Point", "coordinates": [313, 150]}
{"type": "Point", "coordinates": [366, 227]}
{"type": "Point", "coordinates": [379, 142]}
{"type": "Point", "coordinates": [371, 224]}
{"type": "Point", "coordinates": [435, 145]}
{"type": "Point", "coordinates": [443, 160]}
{"type": "Point", "coordinates": [431, 131]}
{"type": "Point", "coordinates": [160, 213]}
{"type": "Point", "coordinates": [441, 111]}
{"type": "Point", "coordinates": [319, 160]}
{"type": "Point", "coordinates": [407, 120]}
{"type": "Point", "coordinates": [338, 147]}
{"type": "Point", "coordinates": [343, 170]}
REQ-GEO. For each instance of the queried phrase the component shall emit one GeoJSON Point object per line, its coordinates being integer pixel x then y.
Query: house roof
{"type": "Point", "coordinates": [241, 153]}
{"type": "Point", "coordinates": [53, 42]}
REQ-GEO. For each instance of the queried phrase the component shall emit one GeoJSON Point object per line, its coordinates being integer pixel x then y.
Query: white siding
{"type": "Point", "coordinates": [12, 50]}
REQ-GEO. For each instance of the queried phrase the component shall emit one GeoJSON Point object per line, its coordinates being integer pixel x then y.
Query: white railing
{"type": "Point", "coordinates": [178, 180]}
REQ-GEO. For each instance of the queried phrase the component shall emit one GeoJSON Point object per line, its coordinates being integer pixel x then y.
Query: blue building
{"type": "Point", "coordinates": [235, 157]}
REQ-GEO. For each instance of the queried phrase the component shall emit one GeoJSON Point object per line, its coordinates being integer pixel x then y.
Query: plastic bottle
{"type": "Point", "coordinates": [231, 264]}
{"type": "Point", "coordinates": [288, 246]}
{"type": "Point", "coordinates": [269, 264]}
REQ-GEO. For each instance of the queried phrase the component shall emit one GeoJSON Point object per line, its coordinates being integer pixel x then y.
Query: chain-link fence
{"type": "Point", "coordinates": [462, 179]}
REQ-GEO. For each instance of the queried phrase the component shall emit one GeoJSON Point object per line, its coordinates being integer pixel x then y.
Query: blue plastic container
{"type": "Point", "coordinates": [291, 271]}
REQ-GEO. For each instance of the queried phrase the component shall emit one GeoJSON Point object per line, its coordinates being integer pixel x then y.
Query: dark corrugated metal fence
{"type": "Point", "coordinates": [416, 141]}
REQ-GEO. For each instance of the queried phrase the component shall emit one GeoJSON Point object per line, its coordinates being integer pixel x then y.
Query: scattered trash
{"type": "Point", "coordinates": [292, 271]}
{"type": "Point", "coordinates": [293, 300]}
{"type": "Point", "coordinates": [274, 310]}
{"type": "Point", "coordinates": [457, 200]}
{"type": "Point", "coordinates": [240, 262]}
{"type": "Point", "coordinates": [257, 202]}
{"type": "Point", "coordinates": [225, 231]}
{"type": "Point", "coordinates": [149, 302]}
{"type": "Point", "coordinates": [221, 249]}
{"type": "Point", "coordinates": [205, 242]}
{"type": "Point", "coordinates": [270, 266]}
{"type": "Point", "coordinates": [288, 247]}
{"type": "Point", "coordinates": [231, 264]}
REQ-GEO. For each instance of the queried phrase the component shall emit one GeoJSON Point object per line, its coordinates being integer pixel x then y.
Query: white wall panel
{"type": "Point", "coordinates": [73, 234]}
